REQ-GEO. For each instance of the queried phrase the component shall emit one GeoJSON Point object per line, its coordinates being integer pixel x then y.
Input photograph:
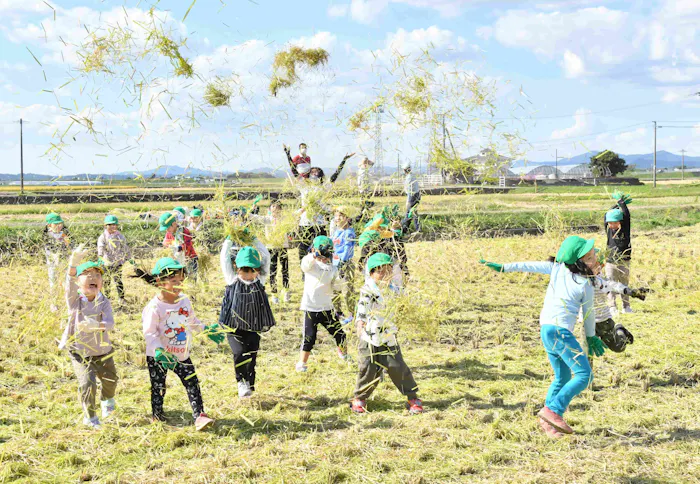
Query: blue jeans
{"type": "Point", "coordinates": [566, 357]}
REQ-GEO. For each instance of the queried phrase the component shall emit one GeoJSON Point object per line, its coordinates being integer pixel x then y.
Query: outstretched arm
{"type": "Point", "coordinates": [290, 161]}
{"type": "Point", "coordinates": [335, 175]}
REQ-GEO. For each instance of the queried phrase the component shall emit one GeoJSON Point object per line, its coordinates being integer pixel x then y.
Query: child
{"type": "Point", "coordinates": [378, 349]}
{"type": "Point", "coordinates": [343, 251]}
{"type": "Point", "coordinates": [86, 337]}
{"type": "Point", "coordinates": [195, 221]}
{"type": "Point", "coordinates": [169, 323]}
{"type": "Point", "coordinates": [238, 235]}
{"type": "Point", "coordinates": [617, 229]}
{"type": "Point", "coordinates": [412, 189]}
{"type": "Point", "coordinates": [179, 240]}
{"type": "Point", "coordinates": [363, 175]}
{"type": "Point", "coordinates": [278, 250]}
{"type": "Point", "coordinates": [384, 234]}
{"type": "Point", "coordinates": [569, 290]}
{"type": "Point", "coordinates": [246, 311]}
{"type": "Point", "coordinates": [317, 302]}
{"type": "Point", "coordinates": [56, 246]}
{"type": "Point", "coordinates": [114, 251]}
{"type": "Point", "coordinates": [180, 213]}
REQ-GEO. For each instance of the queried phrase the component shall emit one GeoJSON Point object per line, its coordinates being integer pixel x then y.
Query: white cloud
{"type": "Point", "coordinates": [582, 126]}
{"type": "Point", "coordinates": [338, 10]}
{"type": "Point", "coordinates": [324, 40]}
{"type": "Point", "coordinates": [573, 65]}
{"type": "Point", "coordinates": [17, 6]}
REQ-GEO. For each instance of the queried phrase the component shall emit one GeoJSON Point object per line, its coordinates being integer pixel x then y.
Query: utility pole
{"type": "Point", "coordinates": [654, 174]}
{"type": "Point", "coordinates": [556, 164]}
{"type": "Point", "coordinates": [21, 159]}
{"type": "Point", "coordinates": [683, 152]}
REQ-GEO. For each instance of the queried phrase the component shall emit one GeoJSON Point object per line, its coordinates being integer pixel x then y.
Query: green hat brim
{"type": "Point", "coordinates": [166, 264]}
{"type": "Point", "coordinates": [89, 265]}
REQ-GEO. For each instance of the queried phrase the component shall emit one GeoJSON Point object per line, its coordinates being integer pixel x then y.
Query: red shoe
{"type": "Point", "coordinates": [415, 406]}
{"type": "Point", "coordinates": [203, 421]}
{"type": "Point", "coordinates": [554, 420]}
{"type": "Point", "coordinates": [358, 406]}
{"type": "Point", "coordinates": [550, 431]}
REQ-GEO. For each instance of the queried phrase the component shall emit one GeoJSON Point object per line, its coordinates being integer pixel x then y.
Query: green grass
{"type": "Point", "coordinates": [482, 376]}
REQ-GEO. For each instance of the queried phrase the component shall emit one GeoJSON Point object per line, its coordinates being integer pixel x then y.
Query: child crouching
{"type": "Point", "coordinates": [169, 323]}
{"type": "Point", "coordinates": [246, 311]}
{"type": "Point", "coordinates": [378, 348]}
{"type": "Point", "coordinates": [86, 337]}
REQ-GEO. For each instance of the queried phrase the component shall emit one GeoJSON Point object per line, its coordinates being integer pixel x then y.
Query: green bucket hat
{"type": "Point", "coordinates": [368, 236]}
{"type": "Point", "coordinates": [377, 260]}
{"type": "Point", "coordinates": [180, 209]}
{"type": "Point", "coordinates": [166, 264]}
{"type": "Point", "coordinates": [248, 257]}
{"type": "Point", "coordinates": [166, 220]}
{"type": "Point", "coordinates": [614, 215]}
{"type": "Point", "coordinates": [53, 218]}
{"type": "Point", "coordinates": [573, 248]}
{"type": "Point", "coordinates": [89, 265]}
{"type": "Point", "coordinates": [111, 220]}
{"type": "Point", "coordinates": [322, 241]}
{"type": "Point", "coordinates": [196, 213]}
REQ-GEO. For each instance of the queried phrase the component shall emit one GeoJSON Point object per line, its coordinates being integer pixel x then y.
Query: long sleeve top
{"type": "Point", "coordinates": [113, 249]}
{"type": "Point", "coordinates": [320, 281]}
{"type": "Point", "coordinates": [378, 329]}
{"type": "Point", "coordinates": [619, 241]}
{"type": "Point", "coordinates": [344, 245]}
{"type": "Point", "coordinates": [269, 223]}
{"type": "Point", "coordinates": [411, 185]}
{"type": "Point", "coordinates": [567, 294]}
{"type": "Point", "coordinates": [81, 310]}
{"type": "Point", "coordinates": [170, 326]}
{"type": "Point", "coordinates": [601, 288]}
{"type": "Point", "coordinates": [227, 256]}
{"type": "Point", "coordinates": [57, 242]}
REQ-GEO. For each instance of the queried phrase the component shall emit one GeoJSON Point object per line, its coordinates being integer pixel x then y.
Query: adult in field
{"type": "Point", "coordinates": [302, 157]}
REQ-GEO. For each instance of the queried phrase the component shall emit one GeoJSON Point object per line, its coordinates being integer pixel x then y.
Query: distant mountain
{"type": "Point", "coordinates": [664, 159]}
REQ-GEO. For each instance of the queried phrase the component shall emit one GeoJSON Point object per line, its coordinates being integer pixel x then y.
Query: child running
{"type": "Point", "coordinates": [378, 349]}
{"type": "Point", "coordinates": [86, 337]}
{"type": "Point", "coordinates": [169, 323]}
{"type": "Point", "coordinates": [56, 246]}
{"type": "Point", "coordinates": [569, 291]}
{"type": "Point", "coordinates": [317, 302]}
{"type": "Point", "coordinates": [344, 240]}
{"type": "Point", "coordinates": [179, 240]}
{"type": "Point", "coordinates": [617, 229]}
{"type": "Point", "coordinates": [114, 251]}
{"type": "Point", "coordinates": [246, 311]}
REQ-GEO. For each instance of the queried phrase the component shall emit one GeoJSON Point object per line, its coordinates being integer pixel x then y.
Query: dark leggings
{"type": "Point", "coordinates": [306, 236]}
{"type": "Point", "coordinates": [245, 346]}
{"type": "Point", "coordinates": [186, 371]}
{"type": "Point", "coordinates": [328, 320]}
{"type": "Point", "coordinates": [283, 258]}
{"type": "Point", "coordinates": [614, 335]}
{"type": "Point", "coordinates": [114, 272]}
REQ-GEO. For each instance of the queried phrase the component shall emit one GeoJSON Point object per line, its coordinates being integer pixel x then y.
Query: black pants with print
{"type": "Point", "coordinates": [245, 346]}
{"type": "Point", "coordinates": [279, 256]}
{"type": "Point", "coordinates": [328, 320]}
{"type": "Point", "coordinates": [187, 373]}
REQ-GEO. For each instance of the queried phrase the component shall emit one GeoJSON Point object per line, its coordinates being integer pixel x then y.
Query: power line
{"type": "Point", "coordinates": [560, 140]}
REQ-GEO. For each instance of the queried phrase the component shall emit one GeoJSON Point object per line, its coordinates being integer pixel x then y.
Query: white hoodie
{"type": "Point", "coordinates": [320, 281]}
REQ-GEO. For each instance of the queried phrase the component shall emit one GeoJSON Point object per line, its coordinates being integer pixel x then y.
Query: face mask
{"type": "Point", "coordinates": [248, 283]}
{"type": "Point", "coordinates": [303, 151]}
{"type": "Point", "coordinates": [314, 177]}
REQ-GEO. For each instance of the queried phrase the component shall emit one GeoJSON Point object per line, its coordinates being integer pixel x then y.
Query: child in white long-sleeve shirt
{"type": "Point", "coordinates": [114, 251]}
{"type": "Point", "coordinates": [321, 279]}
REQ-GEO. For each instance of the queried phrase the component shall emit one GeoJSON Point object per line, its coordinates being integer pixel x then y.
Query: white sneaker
{"type": "Point", "coordinates": [627, 310]}
{"type": "Point", "coordinates": [301, 367]}
{"type": "Point", "coordinates": [93, 422]}
{"type": "Point", "coordinates": [244, 390]}
{"type": "Point", "coordinates": [108, 407]}
{"type": "Point", "coordinates": [275, 300]}
{"type": "Point", "coordinates": [287, 297]}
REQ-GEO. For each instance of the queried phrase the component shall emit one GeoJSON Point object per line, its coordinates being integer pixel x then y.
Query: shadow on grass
{"type": "Point", "coordinates": [271, 427]}
{"type": "Point", "coordinates": [472, 369]}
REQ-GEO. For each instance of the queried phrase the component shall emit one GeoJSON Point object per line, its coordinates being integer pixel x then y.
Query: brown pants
{"type": "Point", "coordinates": [372, 360]}
{"type": "Point", "coordinates": [619, 272]}
{"type": "Point", "coordinates": [88, 369]}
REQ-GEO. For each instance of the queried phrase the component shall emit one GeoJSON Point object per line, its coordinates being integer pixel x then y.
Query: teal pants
{"type": "Point", "coordinates": [572, 371]}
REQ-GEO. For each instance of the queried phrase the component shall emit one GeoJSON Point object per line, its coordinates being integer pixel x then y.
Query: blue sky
{"type": "Point", "coordinates": [589, 74]}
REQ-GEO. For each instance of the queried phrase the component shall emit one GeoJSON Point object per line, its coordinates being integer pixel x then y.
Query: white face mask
{"type": "Point", "coordinates": [248, 283]}
{"type": "Point", "coordinates": [303, 151]}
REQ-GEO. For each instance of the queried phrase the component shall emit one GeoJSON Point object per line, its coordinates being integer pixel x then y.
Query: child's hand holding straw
{"type": "Point", "coordinates": [166, 360]}
{"type": "Point", "coordinates": [492, 265]}
{"type": "Point", "coordinates": [215, 333]}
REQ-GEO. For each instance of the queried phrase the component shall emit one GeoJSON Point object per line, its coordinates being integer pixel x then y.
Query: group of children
{"type": "Point", "coordinates": [170, 324]}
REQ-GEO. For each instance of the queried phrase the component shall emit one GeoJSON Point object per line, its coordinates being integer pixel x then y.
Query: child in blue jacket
{"type": "Point", "coordinates": [344, 240]}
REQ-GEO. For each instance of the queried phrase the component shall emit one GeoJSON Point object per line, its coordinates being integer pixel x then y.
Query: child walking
{"type": "Point", "coordinates": [246, 312]}
{"type": "Point", "coordinates": [278, 249]}
{"type": "Point", "coordinates": [179, 240]}
{"type": "Point", "coordinates": [317, 302]}
{"type": "Point", "coordinates": [86, 337]}
{"type": "Point", "coordinates": [619, 243]}
{"type": "Point", "coordinates": [114, 251]}
{"type": "Point", "coordinates": [169, 324]}
{"type": "Point", "coordinates": [569, 291]}
{"type": "Point", "coordinates": [344, 240]}
{"type": "Point", "coordinates": [378, 349]}
{"type": "Point", "coordinates": [56, 246]}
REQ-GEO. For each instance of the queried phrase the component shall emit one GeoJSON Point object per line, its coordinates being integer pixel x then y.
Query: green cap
{"type": "Point", "coordinates": [248, 257]}
{"type": "Point", "coordinates": [573, 248]}
{"type": "Point", "coordinates": [166, 264]}
{"type": "Point", "coordinates": [89, 265]}
{"type": "Point", "coordinates": [614, 215]}
{"type": "Point", "coordinates": [377, 260]}
{"type": "Point", "coordinates": [53, 218]}
{"type": "Point", "coordinates": [111, 220]}
{"type": "Point", "coordinates": [196, 213]}
{"type": "Point", "coordinates": [322, 241]}
{"type": "Point", "coordinates": [166, 220]}
{"type": "Point", "coordinates": [368, 236]}
{"type": "Point", "coordinates": [180, 209]}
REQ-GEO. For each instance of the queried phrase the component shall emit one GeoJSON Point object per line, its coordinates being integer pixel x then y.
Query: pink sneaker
{"type": "Point", "coordinates": [550, 431]}
{"type": "Point", "coordinates": [203, 421]}
{"type": "Point", "coordinates": [554, 420]}
{"type": "Point", "coordinates": [415, 406]}
{"type": "Point", "coordinates": [358, 406]}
